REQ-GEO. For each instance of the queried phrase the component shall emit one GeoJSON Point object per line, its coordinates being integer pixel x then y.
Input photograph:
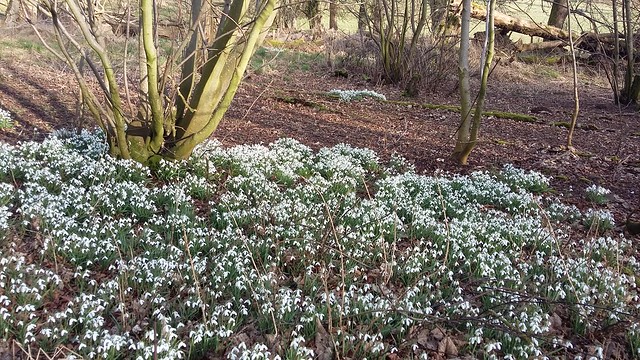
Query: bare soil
{"type": "Point", "coordinates": [286, 101]}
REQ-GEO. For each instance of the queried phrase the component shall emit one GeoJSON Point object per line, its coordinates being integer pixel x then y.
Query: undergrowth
{"type": "Point", "coordinates": [282, 252]}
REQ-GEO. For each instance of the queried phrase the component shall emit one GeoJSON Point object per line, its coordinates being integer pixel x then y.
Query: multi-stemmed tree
{"type": "Point", "coordinates": [169, 120]}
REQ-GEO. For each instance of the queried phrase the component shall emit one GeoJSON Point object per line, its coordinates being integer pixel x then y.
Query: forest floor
{"type": "Point", "coordinates": [290, 100]}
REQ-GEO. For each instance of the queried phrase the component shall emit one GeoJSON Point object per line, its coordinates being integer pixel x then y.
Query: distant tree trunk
{"type": "Point", "coordinates": [616, 54]}
{"type": "Point", "coordinates": [438, 10]}
{"type": "Point", "coordinates": [362, 18]}
{"type": "Point", "coordinates": [314, 15]}
{"type": "Point", "coordinates": [559, 13]}
{"type": "Point", "coordinates": [333, 15]}
{"type": "Point", "coordinates": [627, 96]}
{"type": "Point", "coordinates": [634, 92]}
{"type": "Point", "coordinates": [285, 19]}
{"type": "Point", "coordinates": [12, 13]}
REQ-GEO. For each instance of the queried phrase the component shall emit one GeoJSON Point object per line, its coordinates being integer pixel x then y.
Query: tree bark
{"type": "Point", "coordinates": [465, 88]}
{"type": "Point", "coordinates": [314, 15]}
{"type": "Point", "coordinates": [333, 15]}
{"type": "Point", "coordinates": [12, 14]}
{"type": "Point", "coordinates": [559, 13]}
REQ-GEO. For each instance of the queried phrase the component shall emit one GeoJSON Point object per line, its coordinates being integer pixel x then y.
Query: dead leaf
{"type": "Point", "coordinates": [556, 323]}
{"type": "Point", "coordinates": [447, 347]}
{"type": "Point", "coordinates": [450, 347]}
{"type": "Point", "coordinates": [437, 334]}
{"type": "Point", "coordinates": [423, 338]}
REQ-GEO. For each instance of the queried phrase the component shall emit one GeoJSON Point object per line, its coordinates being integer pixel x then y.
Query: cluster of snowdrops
{"type": "Point", "coordinates": [269, 251]}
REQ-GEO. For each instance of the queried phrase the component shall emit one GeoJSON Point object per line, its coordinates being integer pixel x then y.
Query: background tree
{"type": "Point", "coordinates": [333, 15]}
{"type": "Point", "coordinates": [313, 12]}
{"type": "Point", "coordinates": [171, 119]}
{"type": "Point", "coordinates": [631, 88]}
{"type": "Point", "coordinates": [559, 13]}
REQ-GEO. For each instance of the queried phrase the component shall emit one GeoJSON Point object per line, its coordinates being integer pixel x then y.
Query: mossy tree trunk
{"type": "Point", "coordinates": [164, 126]}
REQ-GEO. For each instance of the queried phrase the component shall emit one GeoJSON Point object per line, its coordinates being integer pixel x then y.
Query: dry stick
{"type": "Point", "coordinates": [342, 274]}
{"type": "Point", "coordinates": [257, 98]}
{"type": "Point", "coordinates": [556, 241]}
{"type": "Point", "coordinates": [203, 306]}
{"type": "Point", "coordinates": [120, 289]}
{"type": "Point", "coordinates": [446, 224]}
{"type": "Point", "coordinates": [576, 99]}
{"type": "Point", "coordinates": [388, 267]}
{"type": "Point", "coordinates": [255, 267]}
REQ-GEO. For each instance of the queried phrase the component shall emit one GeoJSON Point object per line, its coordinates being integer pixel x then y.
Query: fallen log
{"type": "Point", "coordinates": [539, 45]}
{"type": "Point", "coordinates": [523, 26]}
{"type": "Point", "coordinates": [510, 23]}
{"type": "Point", "coordinates": [556, 37]}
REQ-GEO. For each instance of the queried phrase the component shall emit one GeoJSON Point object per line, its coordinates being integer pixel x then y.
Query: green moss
{"type": "Point", "coordinates": [512, 116]}
{"type": "Point", "coordinates": [456, 108]}
{"type": "Point", "coordinates": [503, 142]}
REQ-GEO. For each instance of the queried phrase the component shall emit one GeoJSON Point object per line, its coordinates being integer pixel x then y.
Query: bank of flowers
{"type": "Point", "coordinates": [279, 251]}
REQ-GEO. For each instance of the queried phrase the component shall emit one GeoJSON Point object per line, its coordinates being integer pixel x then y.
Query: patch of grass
{"type": "Point", "coordinates": [28, 44]}
{"type": "Point", "coordinates": [286, 60]}
{"type": "Point", "coordinates": [503, 142]}
{"type": "Point", "coordinates": [547, 72]}
{"type": "Point", "coordinates": [337, 252]}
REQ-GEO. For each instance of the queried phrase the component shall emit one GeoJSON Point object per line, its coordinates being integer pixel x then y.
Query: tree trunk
{"type": "Point", "coordinates": [333, 15]}
{"type": "Point", "coordinates": [465, 88]}
{"type": "Point", "coordinates": [362, 18]}
{"type": "Point", "coordinates": [559, 13]}
{"type": "Point", "coordinates": [634, 92]}
{"type": "Point", "coordinates": [157, 130]}
{"type": "Point", "coordinates": [438, 11]}
{"type": "Point", "coordinates": [314, 15]}
{"type": "Point", "coordinates": [470, 142]}
{"type": "Point", "coordinates": [626, 97]}
{"type": "Point", "coordinates": [12, 14]}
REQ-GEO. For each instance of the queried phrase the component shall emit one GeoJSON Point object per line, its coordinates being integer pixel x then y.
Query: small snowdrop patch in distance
{"type": "Point", "coordinates": [350, 95]}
